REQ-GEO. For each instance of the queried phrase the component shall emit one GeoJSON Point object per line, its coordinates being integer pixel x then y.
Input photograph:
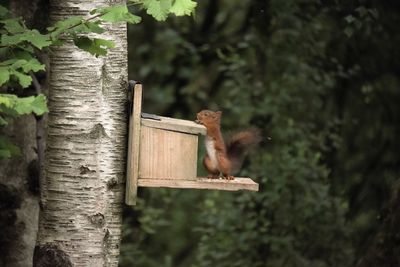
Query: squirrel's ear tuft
{"type": "Point", "coordinates": [219, 113]}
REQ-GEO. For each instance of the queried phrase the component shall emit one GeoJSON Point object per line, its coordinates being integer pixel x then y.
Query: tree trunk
{"type": "Point", "coordinates": [83, 181]}
{"type": "Point", "coordinates": [19, 206]}
{"type": "Point", "coordinates": [384, 249]}
{"type": "Point", "coordinates": [19, 176]}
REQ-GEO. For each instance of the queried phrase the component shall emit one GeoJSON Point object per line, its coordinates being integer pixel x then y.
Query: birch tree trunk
{"type": "Point", "coordinates": [82, 186]}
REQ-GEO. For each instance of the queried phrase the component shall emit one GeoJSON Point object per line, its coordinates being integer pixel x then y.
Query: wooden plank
{"type": "Point", "coordinates": [134, 147]}
{"type": "Point", "coordinates": [176, 125]}
{"type": "Point", "coordinates": [167, 154]}
{"type": "Point", "coordinates": [203, 183]}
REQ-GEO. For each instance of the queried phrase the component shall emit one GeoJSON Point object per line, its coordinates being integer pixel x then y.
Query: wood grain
{"type": "Point", "coordinates": [203, 183]}
{"type": "Point", "coordinates": [177, 125]}
{"type": "Point", "coordinates": [134, 147]}
{"type": "Point", "coordinates": [166, 154]}
{"type": "Point", "coordinates": [83, 184]}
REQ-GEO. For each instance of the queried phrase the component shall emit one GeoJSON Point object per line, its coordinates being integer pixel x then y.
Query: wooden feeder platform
{"type": "Point", "coordinates": [203, 183]}
{"type": "Point", "coordinates": [162, 152]}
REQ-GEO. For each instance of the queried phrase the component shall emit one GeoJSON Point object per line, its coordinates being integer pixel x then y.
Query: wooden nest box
{"type": "Point", "coordinates": [168, 148]}
{"type": "Point", "coordinates": [162, 152]}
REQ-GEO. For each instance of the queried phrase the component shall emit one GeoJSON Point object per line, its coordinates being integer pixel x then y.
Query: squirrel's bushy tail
{"type": "Point", "coordinates": [239, 143]}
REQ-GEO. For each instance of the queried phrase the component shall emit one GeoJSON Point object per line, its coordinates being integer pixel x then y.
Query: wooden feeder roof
{"type": "Point", "coordinates": [172, 124]}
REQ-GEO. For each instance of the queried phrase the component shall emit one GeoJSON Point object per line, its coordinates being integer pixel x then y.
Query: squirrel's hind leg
{"type": "Point", "coordinates": [225, 167]}
{"type": "Point", "coordinates": [213, 172]}
{"type": "Point", "coordinates": [228, 177]}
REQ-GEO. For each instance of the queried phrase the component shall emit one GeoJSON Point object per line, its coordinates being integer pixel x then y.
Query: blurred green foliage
{"type": "Point", "coordinates": [321, 79]}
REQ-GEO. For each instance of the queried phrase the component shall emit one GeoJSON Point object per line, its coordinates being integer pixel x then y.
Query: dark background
{"type": "Point", "coordinates": [321, 79]}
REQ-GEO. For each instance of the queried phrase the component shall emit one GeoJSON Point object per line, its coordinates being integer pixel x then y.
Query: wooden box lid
{"type": "Point", "coordinates": [176, 125]}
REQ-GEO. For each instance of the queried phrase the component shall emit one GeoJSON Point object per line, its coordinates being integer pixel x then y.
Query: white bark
{"type": "Point", "coordinates": [82, 187]}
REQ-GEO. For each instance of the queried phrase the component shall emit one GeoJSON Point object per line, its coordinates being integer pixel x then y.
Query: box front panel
{"type": "Point", "coordinates": [166, 154]}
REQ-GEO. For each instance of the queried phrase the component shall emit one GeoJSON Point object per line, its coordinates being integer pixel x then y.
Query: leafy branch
{"type": "Point", "coordinates": [19, 46]}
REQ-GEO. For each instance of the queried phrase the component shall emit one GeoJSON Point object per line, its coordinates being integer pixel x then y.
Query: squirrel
{"type": "Point", "coordinates": [221, 158]}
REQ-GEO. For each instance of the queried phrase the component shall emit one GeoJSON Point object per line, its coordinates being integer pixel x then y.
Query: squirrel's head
{"type": "Point", "coordinates": [208, 117]}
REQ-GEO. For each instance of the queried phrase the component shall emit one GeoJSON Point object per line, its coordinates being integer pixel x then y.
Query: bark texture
{"type": "Point", "coordinates": [83, 181]}
{"type": "Point", "coordinates": [19, 207]}
{"type": "Point", "coordinates": [19, 176]}
{"type": "Point", "coordinates": [384, 249]}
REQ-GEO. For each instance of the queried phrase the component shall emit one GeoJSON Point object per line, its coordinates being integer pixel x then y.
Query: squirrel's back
{"type": "Point", "coordinates": [220, 157]}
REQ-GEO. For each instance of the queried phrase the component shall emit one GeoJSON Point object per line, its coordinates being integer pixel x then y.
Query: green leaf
{"type": "Point", "coordinates": [3, 122]}
{"type": "Point", "coordinates": [86, 27]}
{"type": "Point", "coordinates": [62, 25]}
{"type": "Point", "coordinates": [39, 105]}
{"type": "Point", "coordinates": [23, 105]}
{"type": "Point", "coordinates": [14, 67]}
{"type": "Point", "coordinates": [16, 63]}
{"type": "Point", "coordinates": [183, 7]}
{"type": "Point", "coordinates": [85, 43]}
{"type": "Point", "coordinates": [94, 27]}
{"type": "Point", "coordinates": [104, 43]}
{"type": "Point", "coordinates": [33, 65]}
{"type": "Point", "coordinates": [118, 13]}
{"type": "Point", "coordinates": [14, 106]}
{"type": "Point", "coordinates": [159, 9]}
{"type": "Point", "coordinates": [8, 40]}
{"type": "Point", "coordinates": [32, 36]}
{"type": "Point", "coordinates": [8, 149]}
{"type": "Point", "coordinates": [27, 48]}
{"type": "Point", "coordinates": [96, 47]}
{"type": "Point", "coordinates": [7, 100]}
{"type": "Point", "coordinates": [23, 55]}
{"type": "Point", "coordinates": [4, 75]}
{"type": "Point", "coordinates": [23, 79]}
{"type": "Point", "coordinates": [7, 103]}
{"type": "Point", "coordinates": [37, 39]}
{"type": "Point", "coordinates": [13, 26]}
{"type": "Point", "coordinates": [66, 23]}
{"type": "Point", "coordinates": [4, 12]}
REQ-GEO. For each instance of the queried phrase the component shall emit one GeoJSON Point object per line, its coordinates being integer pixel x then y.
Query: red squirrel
{"type": "Point", "coordinates": [221, 158]}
